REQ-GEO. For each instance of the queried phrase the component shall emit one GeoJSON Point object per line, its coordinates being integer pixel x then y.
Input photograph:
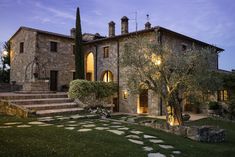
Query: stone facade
{"type": "Point", "coordinates": [37, 44]}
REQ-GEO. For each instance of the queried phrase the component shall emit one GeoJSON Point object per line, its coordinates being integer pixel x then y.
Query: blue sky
{"type": "Point", "coordinates": [211, 21]}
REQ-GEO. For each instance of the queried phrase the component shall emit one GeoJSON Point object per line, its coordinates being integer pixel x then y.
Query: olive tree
{"type": "Point", "coordinates": [170, 74]}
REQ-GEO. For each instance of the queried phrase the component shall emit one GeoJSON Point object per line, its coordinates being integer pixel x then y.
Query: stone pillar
{"type": "Point", "coordinates": [73, 32]}
{"type": "Point", "coordinates": [111, 29]}
{"type": "Point", "coordinates": [124, 25]}
{"type": "Point", "coordinates": [147, 25]}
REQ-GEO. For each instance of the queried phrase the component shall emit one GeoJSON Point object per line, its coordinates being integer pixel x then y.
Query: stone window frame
{"type": "Point", "coordinates": [57, 43]}
{"type": "Point", "coordinates": [73, 49]}
{"type": "Point", "coordinates": [184, 46]}
{"type": "Point", "coordinates": [106, 53]}
{"type": "Point", "coordinates": [21, 50]}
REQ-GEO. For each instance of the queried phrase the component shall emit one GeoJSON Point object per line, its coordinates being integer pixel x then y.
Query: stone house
{"type": "Point", "coordinates": [55, 52]}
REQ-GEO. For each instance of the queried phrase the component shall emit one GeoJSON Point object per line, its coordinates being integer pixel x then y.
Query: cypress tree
{"type": "Point", "coordinates": [79, 55]}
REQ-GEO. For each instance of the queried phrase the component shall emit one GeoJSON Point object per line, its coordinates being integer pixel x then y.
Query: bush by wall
{"type": "Point", "coordinates": [82, 88]}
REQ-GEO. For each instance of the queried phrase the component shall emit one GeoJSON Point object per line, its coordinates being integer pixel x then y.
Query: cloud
{"type": "Point", "coordinates": [56, 12]}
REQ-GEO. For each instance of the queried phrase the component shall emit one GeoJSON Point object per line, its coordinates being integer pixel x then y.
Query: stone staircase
{"type": "Point", "coordinates": [42, 104]}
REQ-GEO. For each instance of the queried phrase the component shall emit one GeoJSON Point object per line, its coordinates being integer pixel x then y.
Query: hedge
{"type": "Point", "coordinates": [79, 89]}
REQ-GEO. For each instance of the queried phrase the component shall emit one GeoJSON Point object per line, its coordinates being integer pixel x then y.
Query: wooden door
{"type": "Point", "coordinates": [143, 99]}
{"type": "Point", "coordinates": [53, 80]}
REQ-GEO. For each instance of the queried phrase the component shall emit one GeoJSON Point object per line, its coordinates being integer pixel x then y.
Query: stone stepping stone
{"type": "Point", "coordinates": [88, 122]}
{"type": "Point", "coordinates": [73, 125]}
{"type": "Point", "coordinates": [156, 155]}
{"type": "Point", "coordinates": [35, 123]}
{"type": "Point", "coordinates": [117, 132]}
{"type": "Point", "coordinates": [176, 152]}
{"type": "Point", "coordinates": [71, 121]}
{"type": "Point", "coordinates": [105, 124]}
{"type": "Point", "coordinates": [64, 118]}
{"type": "Point", "coordinates": [148, 149]}
{"type": "Point", "coordinates": [45, 119]}
{"type": "Point", "coordinates": [69, 128]}
{"type": "Point", "coordinates": [124, 128]}
{"type": "Point", "coordinates": [149, 136]}
{"type": "Point", "coordinates": [59, 126]}
{"type": "Point", "coordinates": [116, 126]}
{"type": "Point", "coordinates": [116, 123]}
{"type": "Point", "coordinates": [101, 128]}
{"type": "Point", "coordinates": [46, 125]}
{"type": "Point", "coordinates": [89, 125]}
{"type": "Point", "coordinates": [4, 127]}
{"type": "Point", "coordinates": [58, 116]}
{"type": "Point", "coordinates": [23, 126]}
{"type": "Point", "coordinates": [133, 136]}
{"type": "Point", "coordinates": [77, 116]}
{"type": "Point", "coordinates": [84, 130]}
{"type": "Point", "coordinates": [136, 141]}
{"type": "Point", "coordinates": [136, 132]}
{"type": "Point", "coordinates": [166, 146]}
{"type": "Point", "coordinates": [156, 141]}
{"type": "Point", "coordinates": [103, 120]}
{"type": "Point", "coordinates": [13, 123]}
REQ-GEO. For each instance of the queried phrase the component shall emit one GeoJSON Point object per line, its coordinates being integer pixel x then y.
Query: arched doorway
{"type": "Point", "coordinates": [107, 76]}
{"type": "Point", "coordinates": [90, 67]}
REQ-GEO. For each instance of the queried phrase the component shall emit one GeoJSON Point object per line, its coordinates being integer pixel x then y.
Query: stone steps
{"type": "Point", "coordinates": [59, 111]}
{"type": "Point", "coordinates": [40, 101]}
{"type": "Point", "coordinates": [33, 96]}
{"type": "Point", "coordinates": [38, 107]}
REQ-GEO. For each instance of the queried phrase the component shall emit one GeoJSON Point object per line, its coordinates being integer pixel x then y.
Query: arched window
{"type": "Point", "coordinates": [107, 76]}
{"type": "Point", "coordinates": [90, 67]}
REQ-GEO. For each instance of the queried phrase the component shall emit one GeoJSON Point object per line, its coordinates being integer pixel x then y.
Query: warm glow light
{"type": "Point", "coordinates": [125, 94]}
{"type": "Point", "coordinates": [90, 66]}
{"type": "Point", "coordinates": [4, 53]}
{"type": "Point", "coordinates": [108, 76]}
{"type": "Point", "coordinates": [156, 60]}
{"type": "Point", "coordinates": [172, 120]}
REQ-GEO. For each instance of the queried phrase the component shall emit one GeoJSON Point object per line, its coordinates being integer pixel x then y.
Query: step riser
{"type": "Point", "coordinates": [20, 97]}
{"type": "Point", "coordinates": [42, 102]}
{"type": "Point", "coordinates": [60, 113]}
{"type": "Point", "coordinates": [52, 107]}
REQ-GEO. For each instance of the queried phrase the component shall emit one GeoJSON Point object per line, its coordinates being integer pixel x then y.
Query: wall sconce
{"type": "Point", "coordinates": [125, 94]}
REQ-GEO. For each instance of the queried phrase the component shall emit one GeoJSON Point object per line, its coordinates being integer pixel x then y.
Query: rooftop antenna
{"type": "Point", "coordinates": [136, 21]}
{"type": "Point", "coordinates": [147, 17]}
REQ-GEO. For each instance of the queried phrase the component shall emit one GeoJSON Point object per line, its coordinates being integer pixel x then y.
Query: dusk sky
{"type": "Point", "coordinates": [211, 21]}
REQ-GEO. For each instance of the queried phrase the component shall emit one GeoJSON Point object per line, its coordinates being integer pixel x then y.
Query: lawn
{"type": "Point", "coordinates": [38, 141]}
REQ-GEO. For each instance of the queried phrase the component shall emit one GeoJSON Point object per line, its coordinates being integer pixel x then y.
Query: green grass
{"type": "Point", "coordinates": [52, 141]}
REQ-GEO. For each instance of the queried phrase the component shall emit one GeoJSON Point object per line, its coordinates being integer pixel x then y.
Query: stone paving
{"type": "Point", "coordinates": [118, 128]}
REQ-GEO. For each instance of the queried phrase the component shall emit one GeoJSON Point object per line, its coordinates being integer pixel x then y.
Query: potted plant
{"type": "Point", "coordinates": [213, 107]}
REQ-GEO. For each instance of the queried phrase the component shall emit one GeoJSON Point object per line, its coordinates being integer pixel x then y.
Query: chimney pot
{"type": "Point", "coordinates": [147, 25]}
{"type": "Point", "coordinates": [124, 25]}
{"type": "Point", "coordinates": [73, 32]}
{"type": "Point", "coordinates": [111, 29]}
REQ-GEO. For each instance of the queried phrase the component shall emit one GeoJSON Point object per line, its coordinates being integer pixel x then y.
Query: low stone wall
{"type": "Point", "coordinates": [38, 85]}
{"type": "Point", "coordinates": [205, 133]}
{"type": "Point", "coordinates": [14, 110]}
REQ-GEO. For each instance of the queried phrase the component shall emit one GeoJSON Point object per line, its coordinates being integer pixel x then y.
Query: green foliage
{"type": "Point", "coordinates": [79, 55]}
{"type": "Point", "coordinates": [83, 88]}
{"type": "Point", "coordinates": [213, 105]}
{"type": "Point", "coordinates": [5, 60]}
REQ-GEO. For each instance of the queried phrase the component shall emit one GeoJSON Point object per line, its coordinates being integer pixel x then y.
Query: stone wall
{"type": "Point", "coordinates": [19, 61]}
{"type": "Point", "coordinates": [62, 61]}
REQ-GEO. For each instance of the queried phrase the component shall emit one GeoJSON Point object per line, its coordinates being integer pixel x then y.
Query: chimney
{"type": "Point", "coordinates": [147, 25]}
{"type": "Point", "coordinates": [73, 32]}
{"type": "Point", "coordinates": [124, 23]}
{"type": "Point", "coordinates": [111, 29]}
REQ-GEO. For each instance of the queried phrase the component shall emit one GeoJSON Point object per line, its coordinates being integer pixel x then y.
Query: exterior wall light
{"type": "Point", "coordinates": [125, 94]}
{"type": "Point", "coordinates": [156, 59]}
{"type": "Point", "coordinates": [4, 53]}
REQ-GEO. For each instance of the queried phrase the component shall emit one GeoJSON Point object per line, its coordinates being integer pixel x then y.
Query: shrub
{"type": "Point", "coordinates": [213, 105]}
{"type": "Point", "coordinates": [83, 88]}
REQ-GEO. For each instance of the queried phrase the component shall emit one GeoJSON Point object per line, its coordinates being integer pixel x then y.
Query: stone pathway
{"type": "Point", "coordinates": [146, 141]}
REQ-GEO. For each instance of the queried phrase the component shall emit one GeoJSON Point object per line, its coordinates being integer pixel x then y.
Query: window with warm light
{"type": "Point", "coordinates": [90, 67]}
{"type": "Point", "coordinates": [107, 76]}
{"type": "Point", "coordinates": [223, 95]}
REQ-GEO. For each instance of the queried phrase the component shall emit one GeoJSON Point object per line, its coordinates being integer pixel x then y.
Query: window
{"type": "Point", "coordinates": [107, 76]}
{"type": "Point", "coordinates": [53, 46]}
{"type": "Point", "coordinates": [184, 47]}
{"type": "Point", "coordinates": [74, 75]}
{"type": "Point", "coordinates": [21, 47]}
{"type": "Point", "coordinates": [74, 49]}
{"type": "Point", "coordinates": [223, 95]}
{"type": "Point", "coordinates": [106, 52]}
